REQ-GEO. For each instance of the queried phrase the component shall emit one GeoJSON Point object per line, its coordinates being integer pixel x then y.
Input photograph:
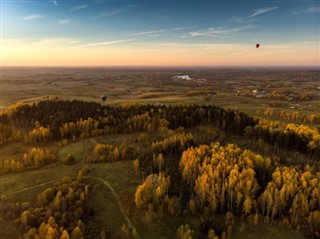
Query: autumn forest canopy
{"type": "Point", "coordinates": [221, 167]}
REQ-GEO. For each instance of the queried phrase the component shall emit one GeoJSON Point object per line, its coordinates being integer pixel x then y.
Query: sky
{"type": "Point", "coordinates": [160, 33]}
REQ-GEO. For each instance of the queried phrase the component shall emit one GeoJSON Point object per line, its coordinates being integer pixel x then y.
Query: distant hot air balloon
{"type": "Point", "coordinates": [104, 98]}
{"type": "Point", "coordinates": [257, 45]}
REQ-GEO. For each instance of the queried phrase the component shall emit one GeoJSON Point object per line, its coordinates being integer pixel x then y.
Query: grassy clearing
{"type": "Point", "coordinates": [106, 211]}
{"type": "Point", "coordinates": [7, 229]}
{"type": "Point", "coordinates": [265, 232]}
{"type": "Point", "coordinates": [13, 151]}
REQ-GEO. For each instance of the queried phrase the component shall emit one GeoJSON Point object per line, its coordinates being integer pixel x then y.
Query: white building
{"type": "Point", "coordinates": [181, 77]}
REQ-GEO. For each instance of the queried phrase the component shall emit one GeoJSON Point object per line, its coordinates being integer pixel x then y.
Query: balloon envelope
{"type": "Point", "coordinates": [257, 45]}
{"type": "Point", "coordinates": [104, 97]}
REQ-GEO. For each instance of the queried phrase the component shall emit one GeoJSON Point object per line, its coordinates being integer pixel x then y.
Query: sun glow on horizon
{"type": "Point", "coordinates": [122, 34]}
{"type": "Point", "coordinates": [56, 52]}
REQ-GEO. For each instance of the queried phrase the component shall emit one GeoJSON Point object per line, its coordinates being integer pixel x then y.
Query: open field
{"type": "Point", "coordinates": [233, 88]}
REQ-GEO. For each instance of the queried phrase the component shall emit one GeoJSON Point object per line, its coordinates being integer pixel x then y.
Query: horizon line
{"type": "Point", "coordinates": [158, 66]}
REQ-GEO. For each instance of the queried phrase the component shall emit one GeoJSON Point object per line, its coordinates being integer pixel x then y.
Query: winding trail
{"type": "Point", "coordinates": [32, 187]}
{"type": "Point", "coordinates": [127, 219]}
{"type": "Point", "coordinates": [130, 224]}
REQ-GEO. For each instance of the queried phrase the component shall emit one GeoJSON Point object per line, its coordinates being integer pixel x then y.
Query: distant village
{"type": "Point", "coordinates": [277, 94]}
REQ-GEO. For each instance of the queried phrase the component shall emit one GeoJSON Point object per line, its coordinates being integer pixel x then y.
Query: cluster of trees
{"type": "Point", "coordinates": [293, 196]}
{"type": "Point", "coordinates": [152, 196]}
{"type": "Point", "coordinates": [310, 135]}
{"type": "Point", "coordinates": [184, 232]}
{"type": "Point", "coordinates": [5, 133]}
{"type": "Point", "coordinates": [36, 157]}
{"type": "Point", "coordinates": [289, 95]}
{"type": "Point", "coordinates": [225, 179]}
{"type": "Point", "coordinates": [11, 165]}
{"type": "Point", "coordinates": [302, 138]}
{"type": "Point", "coordinates": [108, 153]}
{"type": "Point", "coordinates": [80, 129]}
{"type": "Point", "coordinates": [59, 213]}
{"type": "Point", "coordinates": [11, 210]}
{"type": "Point", "coordinates": [173, 144]}
{"type": "Point", "coordinates": [39, 135]}
{"type": "Point", "coordinates": [292, 116]}
{"type": "Point", "coordinates": [228, 180]}
{"type": "Point", "coordinates": [222, 178]}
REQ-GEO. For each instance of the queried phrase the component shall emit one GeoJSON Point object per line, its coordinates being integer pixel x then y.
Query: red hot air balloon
{"type": "Point", "coordinates": [257, 45]}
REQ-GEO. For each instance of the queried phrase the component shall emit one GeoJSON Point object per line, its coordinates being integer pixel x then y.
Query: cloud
{"type": "Point", "coordinates": [113, 12]}
{"type": "Point", "coordinates": [256, 12]}
{"type": "Point", "coordinates": [79, 7]}
{"type": "Point", "coordinates": [307, 11]}
{"type": "Point", "coordinates": [148, 32]}
{"type": "Point", "coordinates": [52, 41]}
{"type": "Point", "coordinates": [109, 14]}
{"type": "Point", "coordinates": [33, 16]}
{"type": "Point", "coordinates": [156, 32]}
{"type": "Point", "coordinates": [43, 42]}
{"type": "Point", "coordinates": [243, 20]}
{"type": "Point", "coordinates": [64, 21]}
{"type": "Point", "coordinates": [213, 31]}
{"type": "Point", "coordinates": [262, 11]}
{"type": "Point", "coordinates": [312, 10]}
{"type": "Point", "coordinates": [73, 42]}
{"type": "Point", "coordinates": [55, 2]}
{"type": "Point", "coordinates": [311, 43]}
{"type": "Point", "coordinates": [103, 43]}
{"type": "Point", "coordinates": [182, 28]}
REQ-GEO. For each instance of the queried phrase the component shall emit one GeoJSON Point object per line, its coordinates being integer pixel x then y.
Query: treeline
{"type": "Point", "coordinates": [302, 138]}
{"type": "Point", "coordinates": [69, 119]}
{"type": "Point", "coordinates": [35, 158]}
{"type": "Point", "coordinates": [292, 116]}
{"type": "Point", "coordinates": [173, 144]}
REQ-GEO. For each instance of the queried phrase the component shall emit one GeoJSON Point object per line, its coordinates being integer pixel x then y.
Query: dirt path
{"type": "Point", "coordinates": [130, 224]}
{"type": "Point", "coordinates": [32, 187]}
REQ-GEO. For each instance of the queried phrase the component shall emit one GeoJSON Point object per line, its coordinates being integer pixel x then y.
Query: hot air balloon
{"type": "Point", "coordinates": [257, 45]}
{"type": "Point", "coordinates": [104, 98]}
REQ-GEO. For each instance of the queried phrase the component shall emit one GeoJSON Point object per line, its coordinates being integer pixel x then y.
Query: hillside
{"type": "Point", "coordinates": [174, 166]}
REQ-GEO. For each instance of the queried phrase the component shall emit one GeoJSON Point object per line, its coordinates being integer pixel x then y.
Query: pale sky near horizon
{"type": "Point", "coordinates": [160, 33]}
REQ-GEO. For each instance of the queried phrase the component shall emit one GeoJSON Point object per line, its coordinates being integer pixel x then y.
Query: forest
{"type": "Point", "coordinates": [218, 166]}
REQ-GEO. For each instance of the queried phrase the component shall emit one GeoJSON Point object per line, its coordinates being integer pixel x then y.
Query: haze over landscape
{"type": "Point", "coordinates": [160, 33]}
